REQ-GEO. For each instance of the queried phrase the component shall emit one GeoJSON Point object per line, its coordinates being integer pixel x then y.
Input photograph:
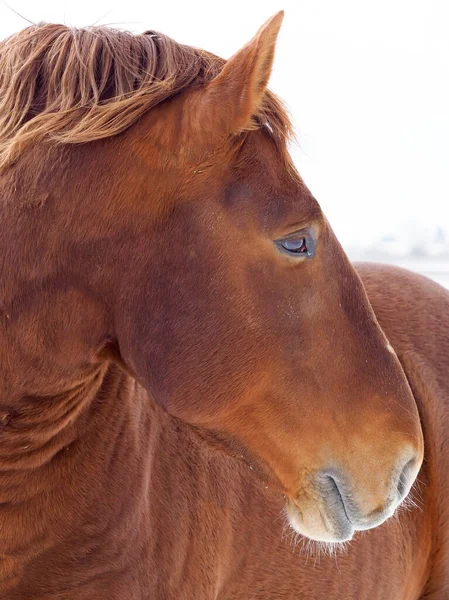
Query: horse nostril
{"type": "Point", "coordinates": [406, 479]}
{"type": "Point", "coordinates": [332, 492]}
{"type": "Point", "coordinates": [366, 506]}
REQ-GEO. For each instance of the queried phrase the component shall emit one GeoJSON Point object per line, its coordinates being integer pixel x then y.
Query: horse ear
{"type": "Point", "coordinates": [236, 94]}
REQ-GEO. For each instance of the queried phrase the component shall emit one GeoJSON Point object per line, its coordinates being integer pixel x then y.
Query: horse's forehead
{"type": "Point", "coordinates": [261, 179]}
{"type": "Point", "coordinates": [249, 171]}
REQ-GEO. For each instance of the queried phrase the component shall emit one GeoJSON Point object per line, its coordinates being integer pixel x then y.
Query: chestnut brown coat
{"type": "Point", "coordinates": [196, 381]}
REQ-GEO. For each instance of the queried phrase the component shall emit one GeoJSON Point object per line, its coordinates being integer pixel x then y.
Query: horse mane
{"type": "Point", "coordinates": [76, 85]}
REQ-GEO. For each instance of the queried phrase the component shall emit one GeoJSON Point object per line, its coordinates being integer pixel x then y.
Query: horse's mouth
{"type": "Point", "coordinates": [320, 523]}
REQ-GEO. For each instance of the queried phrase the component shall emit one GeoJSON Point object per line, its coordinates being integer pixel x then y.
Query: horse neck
{"type": "Point", "coordinates": [60, 457]}
{"type": "Point", "coordinates": [122, 473]}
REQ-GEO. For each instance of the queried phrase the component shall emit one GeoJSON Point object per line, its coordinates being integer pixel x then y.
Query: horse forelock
{"type": "Point", "coordinates": [77, 85]}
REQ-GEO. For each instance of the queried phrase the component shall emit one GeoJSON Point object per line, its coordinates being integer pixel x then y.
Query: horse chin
{"type": "Point", "coordinates": [314, 523]}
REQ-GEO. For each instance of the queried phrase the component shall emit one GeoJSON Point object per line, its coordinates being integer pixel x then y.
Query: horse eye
{"type": "Point", "coordinates": [301, 246]}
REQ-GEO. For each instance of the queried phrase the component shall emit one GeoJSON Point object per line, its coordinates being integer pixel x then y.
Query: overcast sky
{"type": "Point", "coordinates": [367, 84]}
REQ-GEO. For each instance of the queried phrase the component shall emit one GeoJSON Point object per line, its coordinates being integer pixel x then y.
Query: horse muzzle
{"type": "Point", "coordinates": [334, 508]}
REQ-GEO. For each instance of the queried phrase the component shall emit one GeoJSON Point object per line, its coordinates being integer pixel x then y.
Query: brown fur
{"type": "Point", "coordinates": [170, 379]}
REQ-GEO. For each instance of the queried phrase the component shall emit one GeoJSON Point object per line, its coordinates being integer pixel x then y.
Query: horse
{"type": "Point", "coordinates": [201, 396]}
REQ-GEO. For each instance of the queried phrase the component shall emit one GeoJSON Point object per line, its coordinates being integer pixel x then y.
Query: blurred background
{"type": "Point", "coordinates": [367, 84]}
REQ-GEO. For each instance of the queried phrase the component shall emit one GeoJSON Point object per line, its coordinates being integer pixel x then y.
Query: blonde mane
{"type": "Point", "coordinates": [75, 86]}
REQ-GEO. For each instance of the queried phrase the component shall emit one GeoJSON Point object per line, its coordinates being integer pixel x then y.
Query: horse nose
{"type": "Point", "coordinates": [368, 500]}
{"type": "Point", "coordinates": [406, 478]}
